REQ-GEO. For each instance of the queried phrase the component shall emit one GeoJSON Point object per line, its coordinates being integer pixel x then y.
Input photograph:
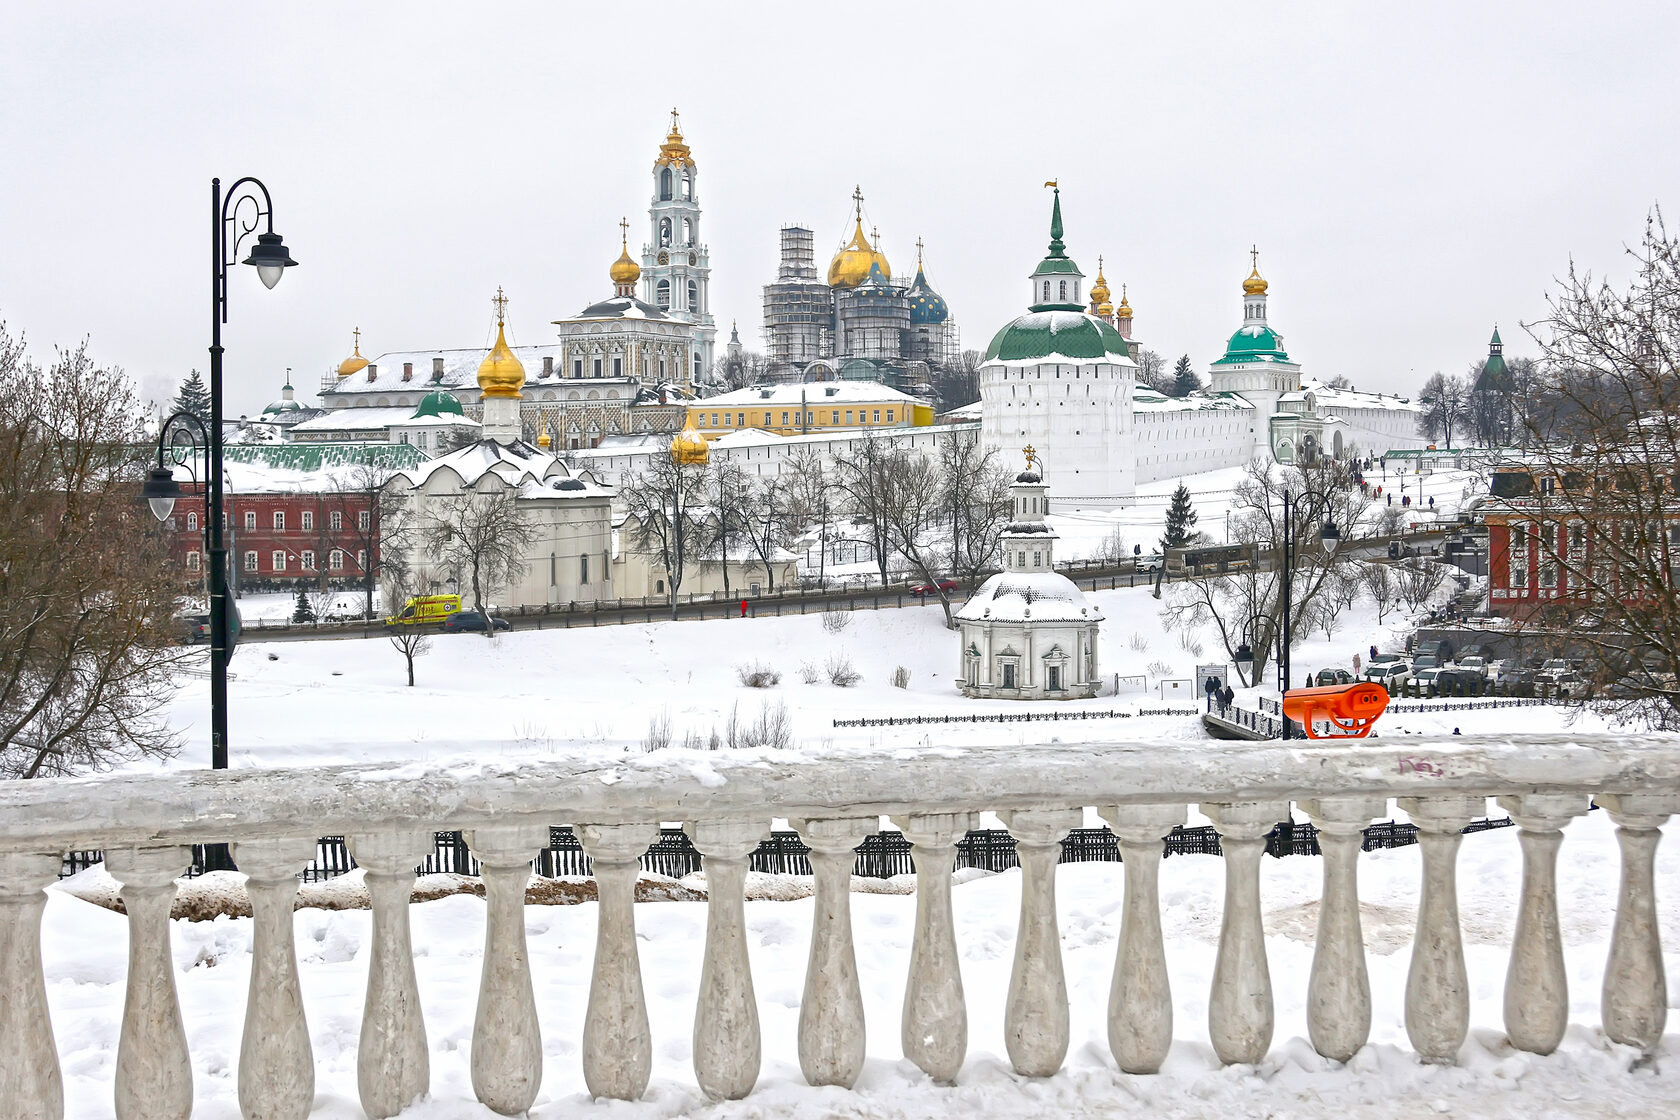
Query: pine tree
{"type": "Point", "coordinates": [194, 397]}
{"type": "Point", "coordinates": [1181, 520]}
{"type": "Point", "coordinates": [304, 611]}
{"type": "Point", "coordinates": [1185, 380]}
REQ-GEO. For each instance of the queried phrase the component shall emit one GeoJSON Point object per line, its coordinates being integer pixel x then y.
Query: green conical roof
{"type": "Point", "coordinates": [1496, 375]}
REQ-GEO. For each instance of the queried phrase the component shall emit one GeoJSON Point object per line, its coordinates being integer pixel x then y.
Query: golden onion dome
{"type": "Point", "coordinates": [355, 363]}
{"type": "Point", "coordinates": [1099, 291]}
{"type": "Point", "coordinates": [501, 374]}
{"type": "Point", "coordinates": [624, 270]}
{"type": "Point", "coordinates": [850, 266]}
{"type": "Point", "coordinates": [674, 152]}
{"type": "Point", "coordinates": [1254, 285]}
{"type": "Point", "coordinates": [688, 447]}
{"type": "Point", "coordinates": [543, 440]}
{"type": "Point", "coordinates": [1125, 308]}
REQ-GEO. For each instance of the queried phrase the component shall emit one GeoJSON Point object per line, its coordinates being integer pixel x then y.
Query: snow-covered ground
{"type": "Point", "coordinates": [85, 949]}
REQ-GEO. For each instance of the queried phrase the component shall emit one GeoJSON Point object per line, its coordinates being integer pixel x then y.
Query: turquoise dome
{"type": "Point", "coordinates": [1070, 334]}
{"type": "Point", "coordinates": [1254, 344]}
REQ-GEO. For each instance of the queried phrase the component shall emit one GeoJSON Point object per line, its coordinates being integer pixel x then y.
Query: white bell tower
{"type": "Point", "coordinates": [676, 269]}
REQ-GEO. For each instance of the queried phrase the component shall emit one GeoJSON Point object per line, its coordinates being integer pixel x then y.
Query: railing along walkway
{"type": "Point", "coordinates": [146, 824]}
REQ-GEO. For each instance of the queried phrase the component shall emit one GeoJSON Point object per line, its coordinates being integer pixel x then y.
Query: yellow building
{"type": "Point", "coordinates": [817, 406]}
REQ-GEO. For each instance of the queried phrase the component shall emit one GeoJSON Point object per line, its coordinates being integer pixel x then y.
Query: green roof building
{"type": "Point", "coordinates": [1255, 364]}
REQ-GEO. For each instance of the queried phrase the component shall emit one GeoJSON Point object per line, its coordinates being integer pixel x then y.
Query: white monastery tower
{"type": "Point", "coordinates": [1060, 377]}
{"type": "Point", "coordinates": [676, 268]}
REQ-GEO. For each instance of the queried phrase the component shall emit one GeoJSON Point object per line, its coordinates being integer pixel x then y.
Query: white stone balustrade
{"type": "Point", "coordinates": [144, 823]}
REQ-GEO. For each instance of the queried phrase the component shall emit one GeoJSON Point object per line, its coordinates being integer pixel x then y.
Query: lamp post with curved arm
{"type": "Point", "coordinates": [1329, 536]}
{"type": "Point", "coordinates": [233, 218]}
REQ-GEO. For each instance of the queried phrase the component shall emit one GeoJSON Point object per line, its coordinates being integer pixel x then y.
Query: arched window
{"type": "Point", "coordinates": [662, 295]}
{"type": "Point", "coordinates": [688, 232]}
{"type": "Point", "coordinates": [1047, 291]}
{"type": "Point", "coordinates": [665, 185]}
{"type": "Point", "coordinates": [664, 231]}
{"type": "Point", "coordinates": [693, 296]}
{"type": "Point", "coordinates": [1063, 291]}
{"type": "Point", "coordinates": [687, 186]}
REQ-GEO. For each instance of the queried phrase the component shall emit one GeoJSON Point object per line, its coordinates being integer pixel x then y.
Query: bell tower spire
{"type": "Point", "coordinates": [676, 266]}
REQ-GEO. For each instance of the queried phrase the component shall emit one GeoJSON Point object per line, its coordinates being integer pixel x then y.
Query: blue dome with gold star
{"type": "Point", "coordinates": [926, 305]}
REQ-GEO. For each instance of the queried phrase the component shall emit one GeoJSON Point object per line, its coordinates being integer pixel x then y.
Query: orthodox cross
{"type": "Point", "coordinates": [500, 303]}
{"type": "Point", "coordinates": [624, 234]}
{"type": "Point", "coordinates": [857, 197]}
{"type": "Point", "coordinates": [1254, 255]}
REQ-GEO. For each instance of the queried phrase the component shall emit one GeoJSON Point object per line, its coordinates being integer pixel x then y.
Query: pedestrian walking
{"type": "Point", "coordinates": [1373, 653]}
{"type": "Point", "coordinates": [743, 608]}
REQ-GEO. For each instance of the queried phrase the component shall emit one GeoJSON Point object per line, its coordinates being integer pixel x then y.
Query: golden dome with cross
{"type": "Point", "coordinates": [624, 270]}
{"type": "Point", "coordinates": [355, 363]}
{"type": "Point", "coordinates": [1255, 285]}
{"type": "Point", "coordinates": [501, 374]}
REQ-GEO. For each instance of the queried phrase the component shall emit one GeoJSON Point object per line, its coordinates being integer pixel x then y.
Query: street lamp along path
{"type": "Point", "coordinates": [233, 218]}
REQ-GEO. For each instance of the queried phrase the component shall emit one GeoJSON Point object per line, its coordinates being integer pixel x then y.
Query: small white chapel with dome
{"type": "Point", "coordinates": [1029, 633]}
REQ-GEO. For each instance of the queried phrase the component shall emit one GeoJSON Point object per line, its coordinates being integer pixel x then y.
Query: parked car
{"type": "Point", "coordinates": [933, 588]}
{"type": "Point", "coordinates": [1392, 675]}
{"type": "Point", "coordinates": [471, 621]}
{"type": "Point", "coordinates": [1149, 563]}
{"type": "Point", "coordinates": [195, 628]}
{"type": "Point", "coordinates": [1386, 659]}
{"type": "Point", "coordinates": [1333, 676]}
{"type": "Point", "coordinates": [1473, 663]}
{"type": "Point", "coordinates": [1423, 682]}
{"type": "Point", "coordinates": [1425, 661]}
{"type": "Point", "coordinates": [1570, 686]}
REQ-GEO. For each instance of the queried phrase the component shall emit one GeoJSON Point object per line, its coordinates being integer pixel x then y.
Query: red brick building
{"type": "Point", "coordinates": [280, 540]}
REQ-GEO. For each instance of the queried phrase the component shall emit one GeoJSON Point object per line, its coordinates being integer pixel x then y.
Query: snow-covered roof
{"type": "Point", "coordinates": [355, 419]}
{"type": "Point", "coordinates": [515, 463]}
{"type": "Point", "coordinates": [1352, 398]}
{"type": "Point", "coordinates": [811, 393]}
{"type": "Point", "coordinates": [962, 412]}
{"type": "Point", "coordinates": [1029, 597]}
{"type": "Point", "coordinates": [460, 369]}
{"type": "Point", "coordinates": [1145, 399]}
{"type": "Point", "coordinates": [300, 468]}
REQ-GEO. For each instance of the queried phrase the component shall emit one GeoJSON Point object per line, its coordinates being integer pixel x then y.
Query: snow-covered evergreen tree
{"type": "Point", "coordinates": [1181, 520]}
{"type": "Point", "coordinates": [305, 610]}
{"type": "Point", "coordinates": [1185, 380]}
{"type": "Point", "coordinates": [194, 397]}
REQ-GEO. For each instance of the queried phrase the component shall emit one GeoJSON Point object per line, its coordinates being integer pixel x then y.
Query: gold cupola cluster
{"type": "Point", "coordinates": [688, 447]}
{"type": "Point", "coordinates": [850, 266]}
{"type": "Point", "coordinates": [355, 363]}
{"type": "Point", "coordinates": [1125, 309]}
{"type": "Point", "coordinates": [501, 374]}
{"type": "Point", "coordinates": [674, 153]}
{"type": "Point", "coordinates": [1254, 285]}
{"type": "Point", "coordinates": [1100, 293]}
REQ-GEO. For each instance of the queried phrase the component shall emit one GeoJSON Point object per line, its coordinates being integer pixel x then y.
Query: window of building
{"type": "Point", "coordinates": [784, 419]}
{"type": "Point", "coordinates": [665, 185]}
{"type": "Point", "coordinates": [279, 519]}
{"type": "Point", "coordinates": [715, 419]}
{"type": "Point", "coordinates": [361, 559]}
{"type": "Point", "coordinates": [662, 290]}
{"type": "Point", "coordinates": [577, 367]}
{"type": "Point", "coordinates": [693, 288]}
{"type": "Point", "coordinates": [1038, 558]}
{"type": "Point", "coordinates": [335, 559]}
{"type": "Point", "coordinates": [836, 419]}
{"type": "Point", "coordinates": [889, 416]}
{"type": "Point", "coordinates": [877, 416]}
{"type": "Point", "coordinates": [251, 521]}
{"type": "Point", "coordinates": [192, 522]}
{"type": "Point", "coordinates": [335, 520]}
{"type": "Point", "coordinates": [306, 558]}
{"type": "Point", "coordinates": [583, 568]}
{"type": "Point", "coordinates": [306, 519]}
{"type": "Point", "coordinates": [1053, 681]}
{"type": "Point", "coordinates": [766, 419]}
{"type": "Point", "coordinates": [363, 520]}
{"type": "Point", "coordinates": [618, 366]}
{"type": "Point", "coordinates": [250, 561]}
{"type": "Point", "coordinates": [848, 416]}
{"type": "Point", "coordinates": [702, 419]}
{"type": "Point", "coordinates": [1046, 291]}
{"type": "Point", "coordinates": [192, 561]}
{"type": "Point", "coordinates": [279, 559]}
{"type": "Point", "coordinates": [1009, 669]}
{"type": "Point", "coordinates": [740, 419]}
{"type": "Point", "coordinates": [1063, 290]}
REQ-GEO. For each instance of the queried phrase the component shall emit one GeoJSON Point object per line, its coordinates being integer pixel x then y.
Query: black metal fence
{"type": "Point", "coordinates": [881, 856]}
{"type": "Point", "coordinates": [1010, 717]}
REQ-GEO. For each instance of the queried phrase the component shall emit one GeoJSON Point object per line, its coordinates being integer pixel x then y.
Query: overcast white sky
{"type": "Point", "coordinates": [1411, 172]}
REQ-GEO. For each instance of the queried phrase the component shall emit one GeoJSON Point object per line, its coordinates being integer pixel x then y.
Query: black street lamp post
{"type": "Point", "coordinates": [233, 218]}
{"type": "Point", "coordinates": [1329, 536]}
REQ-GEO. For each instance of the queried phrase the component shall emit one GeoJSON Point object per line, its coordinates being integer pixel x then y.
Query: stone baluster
{"type": "Point", "coordinates": [934, 1030]}
{"type": "Point", "coordinates": [727, 1048]}
{"type": "Point", "coordinates": [831, 1027]}
{"type": "Point", "coordinates": [393, 1066]}
{"type": "Point", "coordinates": [1339, 989]}
{"type": "Point", "coordinates": [1536, 985]}
{"type": "Point", "coordinates": [1035, 1015]}
{"type": "Point", "coordinates": [507, 1042]}
{"type": "Point", "coordinates": [1437, 986]}
{"type": "Point", "coordinates": [1240, 1005]}
{"type": "Point", "coordinates": [31, 1087]}
{"type": "Point", "coordinates": [276, 1062]}
{"type": "Point", "coordinates": [1635, 985]}
{"type": "Point", "coordinates": [154, 1070]}
{"type": "Point", "coordinates": [617, 1042]}
{"type": "Point", "coordinates": [1140, 1014]}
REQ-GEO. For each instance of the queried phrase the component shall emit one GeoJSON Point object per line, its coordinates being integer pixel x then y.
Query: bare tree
{"type": "Point", "coordinates": [664, 505]}
{"type": "Point", "coordinates": [408, 639]}
{"type": "Point", "coordinates": [865, 477]}
{"type": "Point", "coordinates": [765, 521]}
{"type": "Point", "coordinates": [1444, 402]}
{"type": "Point", "coordinates": [87, 641]}
{"type": "Point", "coordinates": [1417, 579]}
{"type": "Point", "coordinates": [1602, 429]}
{"type": "Point", "coordinates": [809, 498]}
{"type": "Point", "coordinates": [482, 534]}
{"type": "Point", "coordinates": [729, 491]}
{"type": "Point", "coordinates": [975, 504]}
{"type": "Point", "coordinates": [1379, 583]}
{"type": "Point", "coordinates": [1154, 372]}
{"type": "Point", "coordinates": [911, 508]}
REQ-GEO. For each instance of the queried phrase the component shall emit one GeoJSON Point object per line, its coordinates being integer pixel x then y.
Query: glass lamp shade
{"type": "Point", "coordinates": [1329, 537]}
{"type": "Point", "coordinates": [270, 257]}
{"type": "Point", "coordinates": [160, 492]}
{"type": "Point", "coordinates": [1244, 655]}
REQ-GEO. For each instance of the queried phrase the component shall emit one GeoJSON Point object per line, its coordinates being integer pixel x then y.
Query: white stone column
{"type": "Point", "coordinates": [31, 1087]}
{"type": "Point", "coordinates": [831, 1027]}
{"type": "Point", "coordinates": [1339, 989]}
{"type": "Point", "coordinates": [1240, 1005]}
{"type": "Point", "coordinates": [507, 1042]}
{"type": "Point", "coordinates": [1536, 985]}
{"type": "Point", "coordinates": [1635, 984]}
{"type": "Point", "coordinates": [1035, 1015]}
{"type": "Point", "coordinates": [617, 1042]}
{"type": "Point", "coordinates": [934, 1029]}
{"type": "Point", "coordinates": [154, 1070]}
{"type": "Point", "coordinates": [727, 1048]}
{"type": "Point", "coordinates": [276, 1062]}
{"type": "Point", "coordinates": [1437, 985]}
{"type": "Point", "coordinates": [393, 1065]}
{"type": "Point", "coordinates": [1140, 1013]}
